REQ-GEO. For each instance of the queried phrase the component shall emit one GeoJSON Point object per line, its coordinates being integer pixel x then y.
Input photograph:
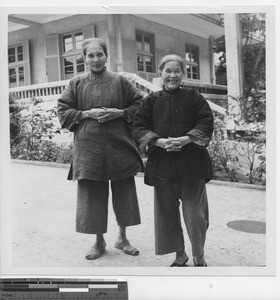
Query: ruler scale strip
{"type": "Point", "coordinates": [46, 288]}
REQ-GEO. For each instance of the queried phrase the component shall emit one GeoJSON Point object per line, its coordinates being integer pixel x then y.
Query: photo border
{"type": "Point", "coordinates": [254, 277]}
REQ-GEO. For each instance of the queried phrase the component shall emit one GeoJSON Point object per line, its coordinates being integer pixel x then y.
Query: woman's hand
{"type": "Point", "coordinates": [93, 113]}
{"type": "Point", "coordinates": [183, 140]}
{"type": "Point", "coordinates": [167, 144]}
{"type": "Point", "coordinates": [172, 144]}
{"type": "Point", "coordinates": [110, 114]}
{"type": "Point", "coordinates": [103, 114]}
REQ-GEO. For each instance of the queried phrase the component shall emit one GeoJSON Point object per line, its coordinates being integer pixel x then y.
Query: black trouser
{"type": "Point", "coordinates": [92, 204]}
{"type": "Point", "coordinates": [168, 230]}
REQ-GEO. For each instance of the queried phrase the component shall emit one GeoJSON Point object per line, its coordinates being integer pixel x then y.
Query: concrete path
{"type": "Point", "coordinates": [43, 218]}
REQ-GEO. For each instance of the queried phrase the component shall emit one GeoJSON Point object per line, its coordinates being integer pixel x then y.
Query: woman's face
{"type": "Point", "coordinates": [95, 58]}
{"type": "Point", "coordinates": [172, 75]}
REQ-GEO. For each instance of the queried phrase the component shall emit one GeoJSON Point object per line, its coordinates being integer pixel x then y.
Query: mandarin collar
{"type": "Point", "coordinates": [103, 76]}
{"type": "Point", "coordinates": [175, 91]}
{"type": "Point", "coordinates": [93, 75]}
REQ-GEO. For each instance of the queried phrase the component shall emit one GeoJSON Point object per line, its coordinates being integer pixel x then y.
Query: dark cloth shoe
{"type": "Point", "coordinates": [176, 264]}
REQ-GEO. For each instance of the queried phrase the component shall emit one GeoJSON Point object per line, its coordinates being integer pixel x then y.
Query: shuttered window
{"type": "Point", "coordinates": [18, 65]}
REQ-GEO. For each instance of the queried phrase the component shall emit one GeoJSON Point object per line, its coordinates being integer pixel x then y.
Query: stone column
{"type": "Point", "coordinates": [211, 58]}
{"type": "Point", "coordinates": [233, 39]}
{"type": "Point", "coordinates": [111, 43]}
{"type": "Point", "coordinates": [118, 34]}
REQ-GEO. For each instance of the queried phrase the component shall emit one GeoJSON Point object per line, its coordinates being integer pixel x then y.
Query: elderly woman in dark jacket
{"type": "Point", "coordinates": [174, 126]}
{"type": "Point", "coordinates": [99, 107]}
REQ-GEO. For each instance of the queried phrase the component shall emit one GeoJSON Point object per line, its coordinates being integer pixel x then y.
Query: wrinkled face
{"type": "Point", "coordinates": [172, 75]}
{"type": "Point", "coordinates": [95, 58]}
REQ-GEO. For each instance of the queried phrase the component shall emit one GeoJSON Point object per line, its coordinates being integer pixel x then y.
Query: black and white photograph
{"type": "Point", "coordinates": [139, 141]}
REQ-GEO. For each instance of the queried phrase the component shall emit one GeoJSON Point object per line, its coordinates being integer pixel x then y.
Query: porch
{"type": "Point", "coordinates": [50, 92]}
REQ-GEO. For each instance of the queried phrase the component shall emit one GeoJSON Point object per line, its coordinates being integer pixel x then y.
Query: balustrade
{"type": "Point", "coordinates": [215, 94]}
{"type": "Point", "coordinates": [45, 91]}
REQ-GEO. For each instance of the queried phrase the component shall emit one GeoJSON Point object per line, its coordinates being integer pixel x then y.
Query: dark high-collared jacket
{"type": "Point", "coordinates": [101, 151]}
{"type": "Point", "coordinates": [172, 114]}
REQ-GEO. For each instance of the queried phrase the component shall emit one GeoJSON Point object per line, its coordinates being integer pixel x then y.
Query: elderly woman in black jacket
{"type": "Point", "coordinates": [174, 126]}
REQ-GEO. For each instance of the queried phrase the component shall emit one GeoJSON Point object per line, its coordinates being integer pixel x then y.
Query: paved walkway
{"type": "Point", "coordinates": [44, 234]}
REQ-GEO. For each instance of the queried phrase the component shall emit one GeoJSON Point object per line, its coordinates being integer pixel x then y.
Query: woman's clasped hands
{"type": "Point", "coordinates": [172, 143]}
{"type": "Point", "coordinates": [104, 114]}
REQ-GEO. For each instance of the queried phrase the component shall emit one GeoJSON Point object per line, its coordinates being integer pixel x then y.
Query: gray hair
{"type": "Point", "coordinates": [96, 41]}
{"type": "Point", "coordinates": [172, 57]}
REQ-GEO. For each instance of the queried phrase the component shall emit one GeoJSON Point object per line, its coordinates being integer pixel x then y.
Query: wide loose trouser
{"type": "Point", "coordinates": [168, 230]}
{"type": "Point", "coordinates": [92, 204]}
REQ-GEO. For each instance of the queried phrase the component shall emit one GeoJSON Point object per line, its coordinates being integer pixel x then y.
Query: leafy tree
{"type": "Point", "coordinates": [252, 104]}
{"type": "Point", "coordinates": [253, 52]}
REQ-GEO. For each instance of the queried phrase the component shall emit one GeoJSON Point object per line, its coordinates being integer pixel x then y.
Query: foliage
{"type": "Point", "coordinates": [252, 104]}
{"type": "Point", "coordinates": [251, 146]}
{"type": "Point", "coordinates": [253, 108]}
{"type": "Point", "coordinates": [220, 149]}
{"type": "Point", "coordinates": [253, 54]}
{"type": "Point", "coordinates": [35, 129]}
{"type": "Point", "coordinates": [15, 115]}
{"type": "Point", "coordinates": [248, 131]}
{"type": "Point", "coordinates": [32, 133]}
{"type": "Point", "coordinates": [233, 150]}
{"type": "Point", "coordinates": [34, 139]}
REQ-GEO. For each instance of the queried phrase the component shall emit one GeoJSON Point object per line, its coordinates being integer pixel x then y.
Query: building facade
{"type": "Point", "coordinates": [46, 50]}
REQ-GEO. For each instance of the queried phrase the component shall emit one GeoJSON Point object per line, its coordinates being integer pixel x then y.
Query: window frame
{"type": "Point", "coordinates": [17, 61]}
{"type": "Point", "coordinates": [196, 64]}
{"type": "Point", "coordinates": [18, 73]}
{"type": "Point", "coordinates": [145, 54]}
{"type": "Point", "coordinates": [72, 54]}
{"type": "Point", "coordinates": [17, 64]}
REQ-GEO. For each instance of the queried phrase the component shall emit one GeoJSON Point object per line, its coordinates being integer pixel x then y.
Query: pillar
{"type": "Point", "coordinates": [118, 35]}
{"type": "Point", "coordinates": [233, 39]}
{"type": "Point", "coordinates": [211, 58]}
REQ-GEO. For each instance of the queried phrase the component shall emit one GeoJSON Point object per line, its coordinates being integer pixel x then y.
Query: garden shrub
{"type": "Point", "coordinates": [220, 149]}
{"type": "Point", "coordinates": [238, 154]}
{"type": "Point", "coordinates": [34, 137]}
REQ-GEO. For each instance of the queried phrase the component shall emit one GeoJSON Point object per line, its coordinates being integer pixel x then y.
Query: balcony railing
{"type": "Point", "coordinates": [45, 91]}
{"type": "Point", "coordinates": [212, 92]}
{"type": "Point", "coordinates": [51, 91]}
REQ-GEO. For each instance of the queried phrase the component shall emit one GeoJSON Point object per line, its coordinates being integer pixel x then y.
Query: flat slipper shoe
{"type": "Point", "coordinates": [127, 248]}
{"type": "Point", "coordinates": [175, 264]}
{"type": "Point", "coordinates": [199, 262]}
{"type": "Point", "coordinates": [94, 253]}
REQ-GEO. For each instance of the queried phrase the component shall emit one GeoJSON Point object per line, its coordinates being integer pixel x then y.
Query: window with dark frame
{"type": "Point", "coordinates": [145, 52]}
{"type": "Point", "coordinates": [16, 68]}
{"type": "Point", "coordinates": [72, 56]}
{"type": "Point", "coordinates": [192, 62]}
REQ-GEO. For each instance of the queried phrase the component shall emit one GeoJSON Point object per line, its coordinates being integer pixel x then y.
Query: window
{"type": "Point", "coordinates": [192, 62]}
{"type": "Point", "coordinates": [15, 54]}
{"type": "Point", "coordinates": [145, 52]}
{"type": "Point", "coordinates": [16, 76]}
{"type": "Point", "coordinates": [18, 65]}
{"type": "Point", "coordinates": [72, 57]}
